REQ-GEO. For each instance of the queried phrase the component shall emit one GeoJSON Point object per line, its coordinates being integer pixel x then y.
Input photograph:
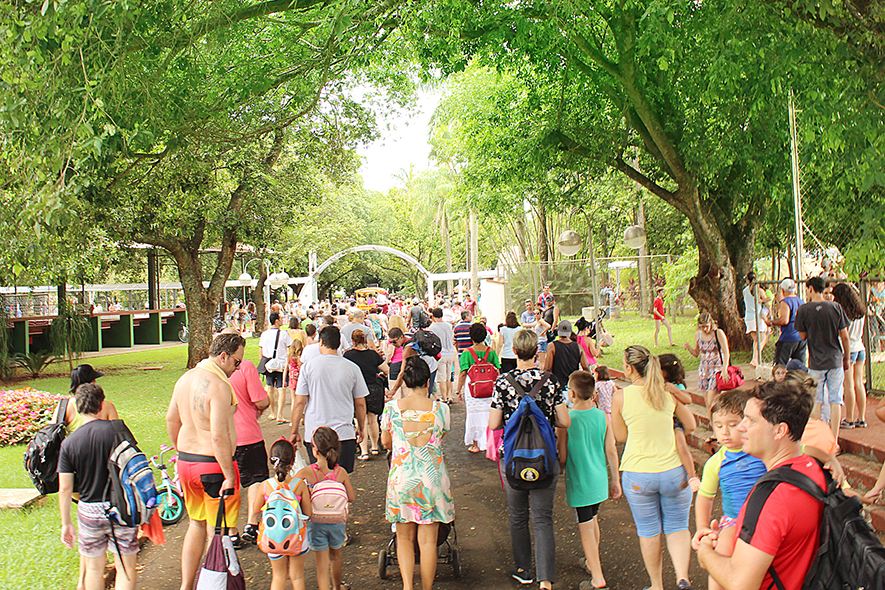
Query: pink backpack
{"type": "Point", "coordinates": [328, 498]}
{"type": "Point", "coordinates": [483, 375]}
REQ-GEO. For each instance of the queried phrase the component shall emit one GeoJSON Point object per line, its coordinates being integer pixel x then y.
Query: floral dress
{"type": "Point", "coordinates": [294, 371]}
{"type": "Point", "coordinates": [710, 362]}
{"type": "Point", "coordinates": [418, 486]}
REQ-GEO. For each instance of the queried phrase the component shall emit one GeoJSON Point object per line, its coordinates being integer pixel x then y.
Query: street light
{"type": "Point", "coordinates": [569, 242]}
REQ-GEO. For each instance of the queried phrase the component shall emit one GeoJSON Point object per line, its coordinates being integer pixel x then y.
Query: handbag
{"type": "Point", "coordinates": [221, 568]}
{"type": "Point", "coordinates": [605, 338]}
{"type": "Point", "coordinates": [272, 365]}
{"type": "Point", "coordinates": [734, 378]}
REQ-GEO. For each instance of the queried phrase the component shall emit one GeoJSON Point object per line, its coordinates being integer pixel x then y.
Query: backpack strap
{"type": "Point", "coordinates": [764, 488]}
{"type": "Point", "coordinates": [62, 410]}
{"type": "Point", "coordinates": [535, 390]}
{"type": "Point", "coordinates": [473, 354]}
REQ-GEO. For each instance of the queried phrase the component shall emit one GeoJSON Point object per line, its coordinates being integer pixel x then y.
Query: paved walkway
{"type": "Point", "coordinates": [481, 525]}
{"type": "Point", "coordinates": [137, 348]}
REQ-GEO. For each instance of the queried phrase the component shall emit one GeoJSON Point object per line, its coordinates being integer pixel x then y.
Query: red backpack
{"type": "Point", "coordinates": [483, 375]}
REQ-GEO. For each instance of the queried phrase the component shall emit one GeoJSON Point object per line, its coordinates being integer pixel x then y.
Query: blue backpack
{"type": "Point", "coordinates": [133, 495]}
{"type": "Point", "coordinates": [283, 525]}
{"type": "Point", "coordinates": [529, 442]}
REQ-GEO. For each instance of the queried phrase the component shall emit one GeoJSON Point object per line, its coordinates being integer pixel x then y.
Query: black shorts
{"type": "Point", "coordinates": [252, 463]}
{"type": "Point", "coordinates": [394, 370]}
{"type": "Point", "coordinates": [375, 399]}
{"type": "Point", "coordinates": [587, 513]}
{"type": "Point", "coordinates": [274, 379]}
{"type": "Point", "coordinates": [785, 351]}
{"type": "Point", "coordinates": [346, 456]}
{"type": "Point", "coordinates": [507, 365]}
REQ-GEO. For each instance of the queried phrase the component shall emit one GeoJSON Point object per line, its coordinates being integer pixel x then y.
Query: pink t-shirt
{"type": "Point", "coordinates": [247, 386]}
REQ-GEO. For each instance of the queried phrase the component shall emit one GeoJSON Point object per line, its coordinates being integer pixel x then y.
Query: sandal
{"type": "Point", "coordinates": [374, 451]}
{"type": "Point", "coordinates": [363, 457]}
{"type": "Point", "coordinates": [473, 449]}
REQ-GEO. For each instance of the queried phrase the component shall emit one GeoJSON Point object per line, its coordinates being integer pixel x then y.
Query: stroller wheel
{"type": "Point", "coordinates": [382, 564]}
{"type": "Point", "coordinates": [456, 563]}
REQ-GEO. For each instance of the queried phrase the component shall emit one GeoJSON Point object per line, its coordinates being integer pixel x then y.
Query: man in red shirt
{"type": "Point", "coordinates": [658, 313]}
{"type": "Point", "coordinates": [785, 538]}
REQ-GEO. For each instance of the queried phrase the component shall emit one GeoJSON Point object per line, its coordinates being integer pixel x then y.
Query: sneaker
{"type": "Point", "coordinates": [522, 577]}
{"type": "Point", "coordinates": [683, 585]}
{"type": "Point", "coordinates": [860, 424]}
{"type": "Point", "coordinates": [846, 424]}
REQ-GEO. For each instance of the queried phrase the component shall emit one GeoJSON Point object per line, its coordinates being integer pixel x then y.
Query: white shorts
{"type": "Point", "coordinates": [445, 369]}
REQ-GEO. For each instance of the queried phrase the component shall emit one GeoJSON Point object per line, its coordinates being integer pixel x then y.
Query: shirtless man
{"type": "Point", "coordinates": [200, 422]}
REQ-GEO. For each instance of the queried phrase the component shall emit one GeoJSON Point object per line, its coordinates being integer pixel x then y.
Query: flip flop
{"type": "Point", "coordinates": [363, 457]}
{"type": "Point", "coordinates": [374, 451]}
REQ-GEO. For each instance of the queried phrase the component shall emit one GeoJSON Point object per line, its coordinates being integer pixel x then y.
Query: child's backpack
{"type": "Point", "coordinates": [529, 441]}
{"type": "Point", "coordinates": [849, 555]}
{"type": "Point", "coordinates": [133, 495]}
{"type": "Point", "coordinates": [283, 525]}
{"type": "Point", "coordinates": [328, 498]}
{"type": "Point", "coordinates": [428, 343]}
{"type": "Point", "coordinates": [483, 375]}
{"type": "Point", "coordinates": [41, 456]}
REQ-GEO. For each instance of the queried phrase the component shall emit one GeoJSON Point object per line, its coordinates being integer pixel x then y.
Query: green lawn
{"type": "Point", "coordinates": [31, 555]}
{"type": "Point", "coordinates": [632, 329]}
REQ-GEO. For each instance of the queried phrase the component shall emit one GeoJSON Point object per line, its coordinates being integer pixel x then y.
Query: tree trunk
{"type": "Point", "coordinates": [543, 250]}
{"type": "Point", "coordinates": [200, 306]}
{"type": "Point", "coordinates": [258, 299]}
{"type": "Point", "coordinates": [642, 267]}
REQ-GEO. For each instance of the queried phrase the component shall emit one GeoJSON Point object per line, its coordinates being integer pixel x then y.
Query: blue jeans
{"type": "Point", "coordinates": [658, 500]}
{"type": "Point", "coordinates": [833, 380]}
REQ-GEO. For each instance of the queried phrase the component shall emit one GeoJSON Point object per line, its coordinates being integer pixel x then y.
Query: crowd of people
{"type": "Point", "coordinates": [362, 382]}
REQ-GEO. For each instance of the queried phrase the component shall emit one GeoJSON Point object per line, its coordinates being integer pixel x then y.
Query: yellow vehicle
{"type": "Point", "coordinates": [364, 295]}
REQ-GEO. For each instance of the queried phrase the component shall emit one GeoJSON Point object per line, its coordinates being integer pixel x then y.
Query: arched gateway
{"type": "Point", "coordinates": [309, 293]}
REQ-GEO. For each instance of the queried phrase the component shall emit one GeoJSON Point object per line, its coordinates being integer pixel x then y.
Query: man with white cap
{"type": "Point", "coordinates": [789, 345]}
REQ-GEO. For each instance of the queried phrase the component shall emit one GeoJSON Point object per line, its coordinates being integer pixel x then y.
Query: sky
{"type": "Point", "coordinates": [403, 141]}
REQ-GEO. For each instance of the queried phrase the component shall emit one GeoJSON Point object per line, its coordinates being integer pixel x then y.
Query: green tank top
{"type": "Point", "coordinates": [586, 474]}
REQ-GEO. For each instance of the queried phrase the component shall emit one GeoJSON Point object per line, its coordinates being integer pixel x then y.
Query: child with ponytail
{"type": "Point", "coordinates": [330, 486]}
{"type": "Point", "coordinates": [282, 457]}
{"type": "Point", "coordinates": [653, 479]}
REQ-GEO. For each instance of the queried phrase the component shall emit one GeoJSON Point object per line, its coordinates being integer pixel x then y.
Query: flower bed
{"type": "Point", "coordinates": [23, 412]}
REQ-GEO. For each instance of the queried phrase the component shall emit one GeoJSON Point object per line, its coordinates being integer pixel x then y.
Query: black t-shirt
{"type": "Point", "coordinates": [822, 321]}
{"type": "Point", "coordinates": [368, 361]}
{"type": "Point", "coordinates": [85, 453]}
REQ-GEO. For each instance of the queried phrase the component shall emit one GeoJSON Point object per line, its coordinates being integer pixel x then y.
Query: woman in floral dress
{"type": "Point", "coordinates": [711, 345]}
{"type": "Point", "coordinates": [419, 493]}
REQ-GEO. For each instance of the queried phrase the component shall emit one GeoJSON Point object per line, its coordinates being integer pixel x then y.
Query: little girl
{"type": "Point", "coordinates": [711, 345]}
{"type": "Point", "coordinates": [326, 540]}
{"type": "Point", "coordinates": [674, 375]}
{"type": "Point", "coordinates": [605, 387]}
{"type": "Point", "coordinates": [282, 457]}
{"type": "Point", "coordinates": [290, 377]}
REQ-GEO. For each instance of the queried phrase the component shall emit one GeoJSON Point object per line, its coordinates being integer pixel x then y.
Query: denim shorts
{"type": "Point", "coordinates": [323, 536]}
{"type": "Point", "coordinates": [542, 343]}
{"type": "Point", "coordinates": [658, 500]}
{"type": "Point", "coordinates": [859, 356]}
{"type": "Point", "coordinates": [832, 379]}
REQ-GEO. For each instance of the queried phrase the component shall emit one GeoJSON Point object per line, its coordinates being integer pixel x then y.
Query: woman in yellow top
{"type": "Point", "coordinates": [653, 478]}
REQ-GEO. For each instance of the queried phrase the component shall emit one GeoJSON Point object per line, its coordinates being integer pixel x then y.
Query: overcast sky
{"type": "Point", "coordinates": [404, 143]}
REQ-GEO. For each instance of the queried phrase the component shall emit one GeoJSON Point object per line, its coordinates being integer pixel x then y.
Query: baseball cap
{"type": "Point", "coordinates": [788, 285]}
{"type": "Point", "coordinates": [564, 328]}
{"type": "Point", "coordinates": [527, 300]}
{"type": "Point", "coordinates": [83, 374]}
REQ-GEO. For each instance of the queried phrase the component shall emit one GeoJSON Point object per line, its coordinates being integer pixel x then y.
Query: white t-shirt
{"type": "Point", "coordinates": [268, 337]}
{"type": "Point", "coordinates": [855, 335]}
{"type": "Point", "coordinates": [347, 334]}
{"type": "Point", "coordinates": [331, 384]}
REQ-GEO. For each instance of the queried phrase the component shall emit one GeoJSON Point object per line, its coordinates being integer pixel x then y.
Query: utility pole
{"type": "Point", "coordinates": [797, 192]}
{"type": "Point", "coordinates": [474, 257]}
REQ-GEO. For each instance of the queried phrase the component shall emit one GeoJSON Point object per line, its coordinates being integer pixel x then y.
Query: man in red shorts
{"type": "Point", "coordinates": [200, 422]}
{"type": "Point", "coordinates": [785, 537]}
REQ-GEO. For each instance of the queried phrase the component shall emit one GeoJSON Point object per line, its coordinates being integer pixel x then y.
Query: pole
{"type": "Point", "coordinates": [593, 279]}
{"type": "Point", "coordinates": [474, 258]}
{"type": "Point", "coordinates": [797, 192]}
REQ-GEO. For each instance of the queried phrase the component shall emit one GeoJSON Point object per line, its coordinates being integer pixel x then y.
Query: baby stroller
{"type": "Point", "coordinates": [447, 551]}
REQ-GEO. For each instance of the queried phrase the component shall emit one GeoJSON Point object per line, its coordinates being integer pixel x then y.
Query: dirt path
{"type": "Point", "coordinates": [481, 523]}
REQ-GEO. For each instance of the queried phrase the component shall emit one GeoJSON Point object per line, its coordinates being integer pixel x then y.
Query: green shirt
{"type": "Point", "coordinates": [586, 474]}
{"type": "Point", "coordinates": [466, 360]}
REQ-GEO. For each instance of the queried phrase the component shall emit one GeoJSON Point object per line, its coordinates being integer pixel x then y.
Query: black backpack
{"type": "Point", "coordinates": [849, 556]}
{"type": "Point", "coordinates": [41, 456]}
{"type": "Point", "coordinates": [429, 343]}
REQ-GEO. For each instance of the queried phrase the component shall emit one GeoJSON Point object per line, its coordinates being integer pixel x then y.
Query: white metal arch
{"type": "Point", "coordinates": [309, 291]}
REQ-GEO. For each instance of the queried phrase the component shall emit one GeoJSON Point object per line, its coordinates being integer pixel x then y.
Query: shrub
{"type": "Point", "coordinates": [23, 412]}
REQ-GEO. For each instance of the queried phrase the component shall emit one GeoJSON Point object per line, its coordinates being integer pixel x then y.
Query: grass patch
{"type": "Point", "coordinates": [630, 328]}
{"type": "Point", "coordinates": [31, 554]}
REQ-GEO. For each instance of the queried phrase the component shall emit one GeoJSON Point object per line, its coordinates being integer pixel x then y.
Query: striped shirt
{"type": "Point", "coordinates": [462, 335]}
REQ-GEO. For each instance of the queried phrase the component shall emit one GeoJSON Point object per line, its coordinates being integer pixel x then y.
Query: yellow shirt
{"type": "Point", "coordinates": [651, 442]}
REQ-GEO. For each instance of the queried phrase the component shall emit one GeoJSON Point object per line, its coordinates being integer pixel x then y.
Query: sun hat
{"type": "Point", "coordinates": [83, 374]}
